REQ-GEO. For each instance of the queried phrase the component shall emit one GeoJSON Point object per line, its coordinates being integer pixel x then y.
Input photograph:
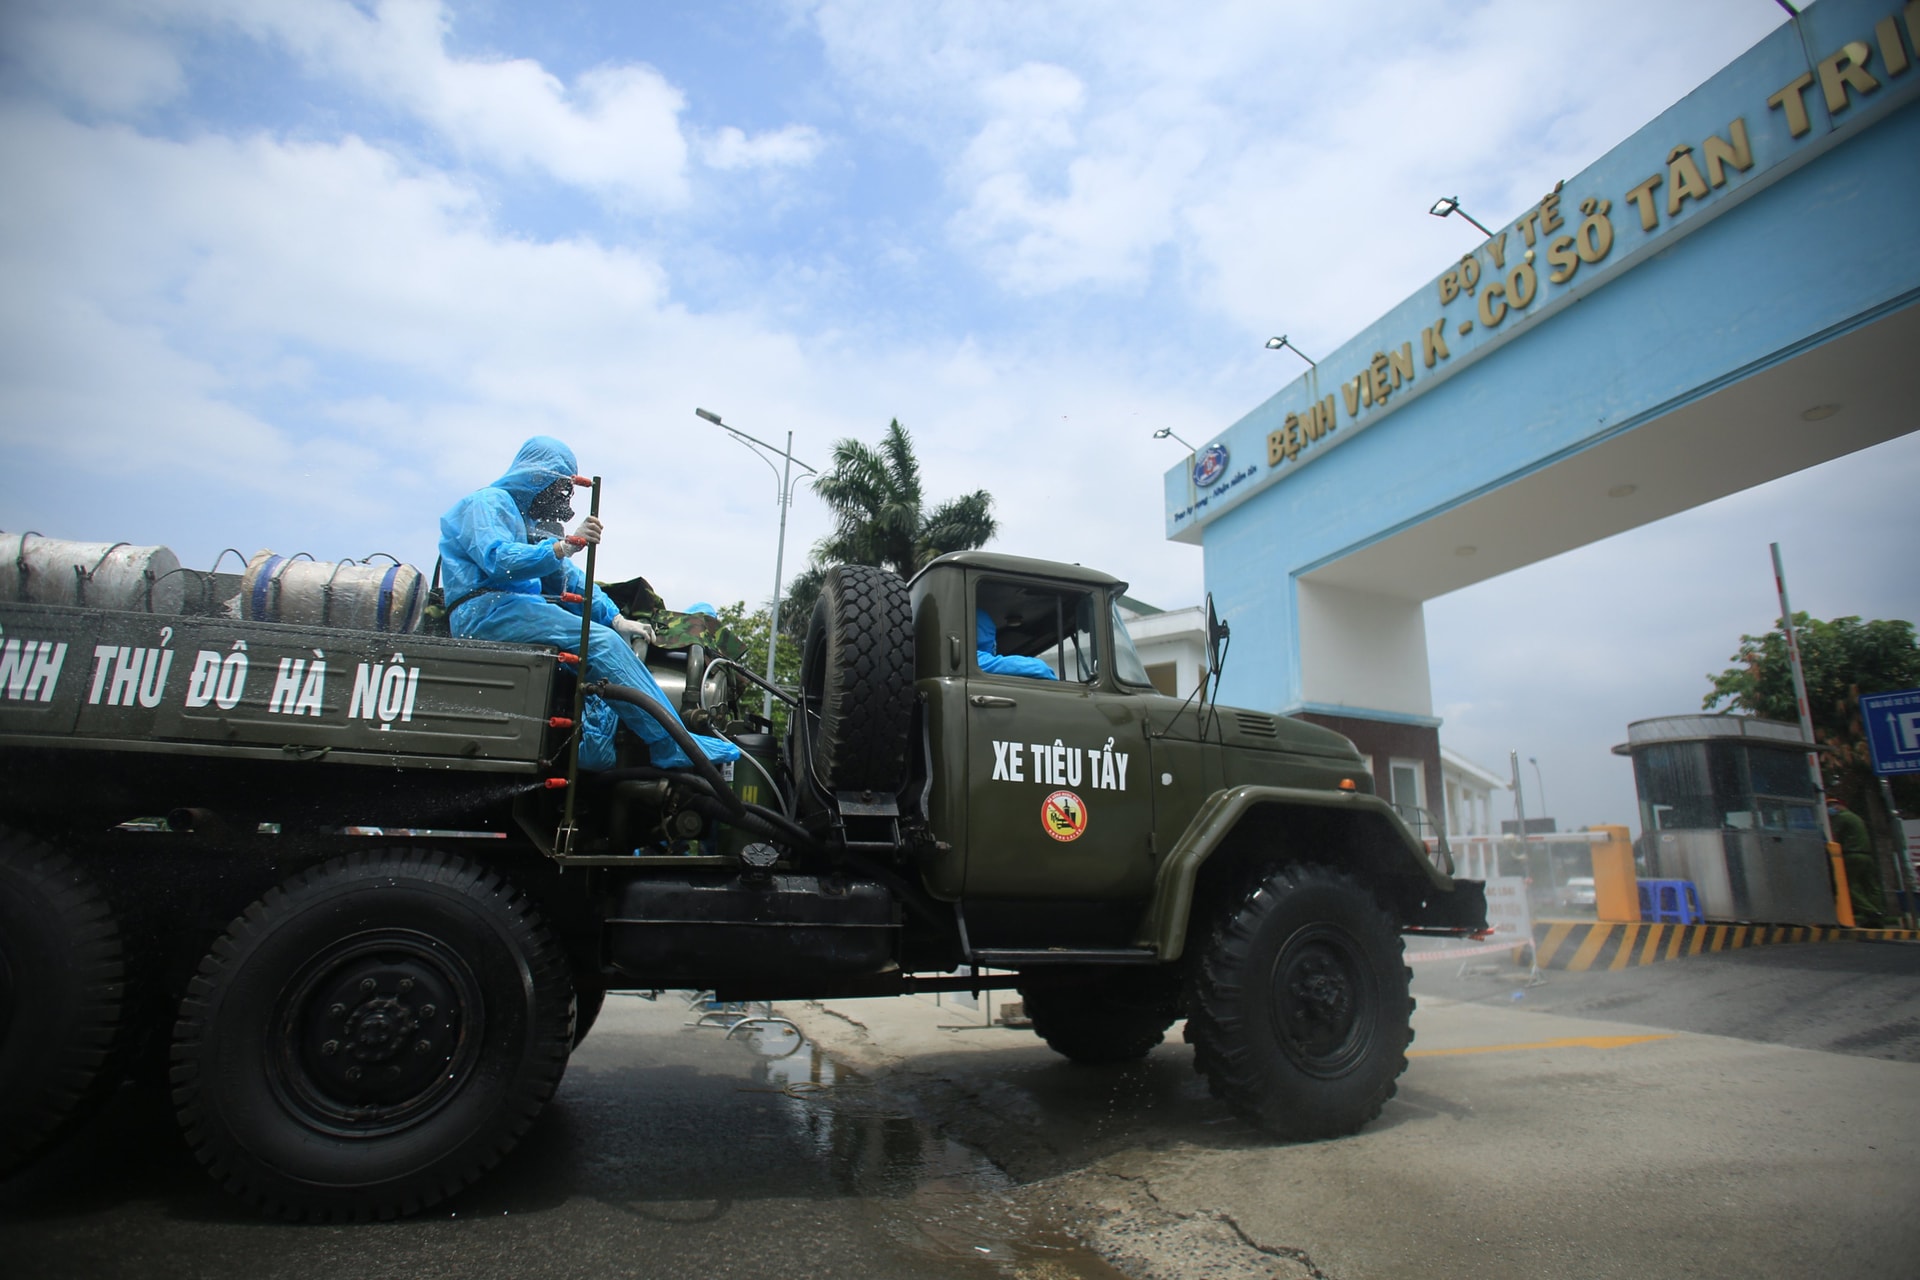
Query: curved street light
{"type": "Point", "coordinates": [783, 496]}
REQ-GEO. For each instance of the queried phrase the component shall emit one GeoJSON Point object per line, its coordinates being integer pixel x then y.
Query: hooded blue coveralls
{"type": "Point", "coordinates": [986, 643]}
{"type": "Point", "coordinates": [488, 545]}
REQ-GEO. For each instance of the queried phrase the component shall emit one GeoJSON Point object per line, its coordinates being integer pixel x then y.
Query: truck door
{"type": "Point", "coordinates": [1059, 798]}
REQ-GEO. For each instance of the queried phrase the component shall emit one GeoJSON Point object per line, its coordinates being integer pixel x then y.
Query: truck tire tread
{"type": "Point", "coordinates": [857, 673]}
{"type": "Point", "coordinates": [261, 1147]}
{"type": "Point", "coordinates": [63, 958]}
{"type": "Point", "coordinates": [1311, 924]}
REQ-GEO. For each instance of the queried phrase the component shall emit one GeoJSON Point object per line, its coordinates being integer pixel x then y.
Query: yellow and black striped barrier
{"type": "Point", "coordinates": [1578, 945]}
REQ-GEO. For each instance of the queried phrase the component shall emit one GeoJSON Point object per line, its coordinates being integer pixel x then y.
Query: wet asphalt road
{"type": "Point", "coordinates": [674, 1151]}
{"type": "Point", "coordinates": [669, 1151]}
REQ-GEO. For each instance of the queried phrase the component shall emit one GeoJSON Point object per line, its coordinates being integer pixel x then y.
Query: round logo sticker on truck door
{"type": "Point", "coordinates": [1064, 816]}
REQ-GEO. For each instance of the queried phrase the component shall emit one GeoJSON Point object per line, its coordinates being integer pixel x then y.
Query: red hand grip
{"type": "Point", "coordinates": [583, 482]}
{"type": "Point", "coordinates": [571, 659]}
{"type": "Point", "coordinates": [575, 540]}
{"type": "Point", "coordinates": [554, 784]}
{"type": "Point", "coordinates": [559, 722]}
{"type": "Point", "coordinates": [572, 597]}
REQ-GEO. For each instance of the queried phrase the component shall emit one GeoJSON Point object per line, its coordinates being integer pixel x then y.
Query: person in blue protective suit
{"type": "Point", "coordinates": [504, 574]}
{"type": "Point", "coordinates": [986, 637]}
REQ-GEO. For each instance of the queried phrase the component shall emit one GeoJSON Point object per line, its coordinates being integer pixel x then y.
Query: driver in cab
{"type": "Point", "coordinates": [987, 653]}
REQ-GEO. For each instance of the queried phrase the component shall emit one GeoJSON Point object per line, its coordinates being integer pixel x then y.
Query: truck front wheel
{"type": "Point", "coordinates": [1299, 1013]}
{"type": "Point", "coordinates": [61, 996]}
{"type": "Point", "coordinates": [371, 1036]}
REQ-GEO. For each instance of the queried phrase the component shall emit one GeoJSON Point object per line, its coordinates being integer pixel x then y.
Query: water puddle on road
{"type": "Point", "coordinates": [922, 1191]}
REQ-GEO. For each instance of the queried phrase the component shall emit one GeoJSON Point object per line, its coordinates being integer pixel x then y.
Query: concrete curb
{"type": "Point", "coordinates": [1580, 945]}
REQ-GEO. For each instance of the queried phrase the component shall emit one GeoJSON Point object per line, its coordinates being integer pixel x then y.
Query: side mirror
{"type": "Point", "coordinates": [1218, 634]}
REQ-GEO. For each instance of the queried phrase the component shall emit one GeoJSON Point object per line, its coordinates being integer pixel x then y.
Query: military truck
{"type": "Point", "coordinates": [339, 875]}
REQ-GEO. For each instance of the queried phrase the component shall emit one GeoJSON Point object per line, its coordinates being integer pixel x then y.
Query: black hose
{"type": "Point", "coordinates": [757, 821]}
{"type": "Point", "coordinates": [778, 826]}
{"type": "Point", "coordinates": [678, 732]}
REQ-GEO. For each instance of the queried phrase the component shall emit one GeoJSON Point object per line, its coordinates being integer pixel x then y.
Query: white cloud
{"type": "Point", "coordinates": [1280, 157]}
{"type": "Point", "coordinates": [114, 67]}
{"type": "Point", "coordinates": [317, 345]}
{"type": "Point", "coordinates": [730, 150]}
{"type": "Point", "coordinates": [614, 129]}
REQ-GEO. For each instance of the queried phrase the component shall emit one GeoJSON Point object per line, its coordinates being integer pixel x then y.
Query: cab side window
{"type": "Point", "coordinates": [1040, 632]}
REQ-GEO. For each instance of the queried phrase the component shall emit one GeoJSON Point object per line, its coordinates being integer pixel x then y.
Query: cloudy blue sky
{"type": "Point", "coordinates": [297, 273]}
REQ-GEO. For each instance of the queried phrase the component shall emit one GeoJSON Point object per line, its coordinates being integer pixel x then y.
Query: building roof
{"type": "Point", "coordinates": [1701, 728]}
{"type": "Point", "coordinates": [1460, 764]}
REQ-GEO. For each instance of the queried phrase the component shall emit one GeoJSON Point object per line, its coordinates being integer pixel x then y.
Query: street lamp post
{"type": "Point", "coordinates": [783, 498]}
{"type": "Point", "coordinates": [1541, 790]}
{"type": "Point", "coordinates": [1164, 432]}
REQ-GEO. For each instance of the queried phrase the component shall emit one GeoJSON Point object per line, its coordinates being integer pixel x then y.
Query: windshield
{"type": "Point", "coordinates": [1127, 667]}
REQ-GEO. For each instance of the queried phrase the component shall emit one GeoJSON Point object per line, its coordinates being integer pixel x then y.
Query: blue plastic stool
{"type": "Point", "coordinates": [1670, 902]}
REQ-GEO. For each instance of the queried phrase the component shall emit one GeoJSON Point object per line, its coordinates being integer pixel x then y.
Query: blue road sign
{"type": "Point", "coordinates": [1893, 730]}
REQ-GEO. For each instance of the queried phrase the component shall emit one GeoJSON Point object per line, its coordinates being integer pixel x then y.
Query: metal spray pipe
{"type": "Point", "coordinates": [563, 838]}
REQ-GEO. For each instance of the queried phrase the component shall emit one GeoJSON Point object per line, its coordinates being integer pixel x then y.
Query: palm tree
{"type": "Point", "coordinates": [879, 519]}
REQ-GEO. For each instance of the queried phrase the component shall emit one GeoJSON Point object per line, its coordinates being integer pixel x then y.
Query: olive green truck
{"type": "Point", "coordinates": [327, 872]}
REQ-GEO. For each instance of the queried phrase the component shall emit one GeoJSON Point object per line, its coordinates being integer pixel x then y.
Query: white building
{"type": "Point", "coordinates": [1173, 646]}
{"type": "Point", "coordinates": [1469, 796]}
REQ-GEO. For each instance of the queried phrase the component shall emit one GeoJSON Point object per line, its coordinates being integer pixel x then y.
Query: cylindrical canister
{"type": "Point", "coordinates": [753, 785]}
{"type": "Point", "coordinates": [360, 597]}
{"type": "Point", "coordinates": [98, 575]}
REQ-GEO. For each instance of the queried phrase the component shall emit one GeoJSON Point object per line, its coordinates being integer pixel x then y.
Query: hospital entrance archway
{"type": "Point", "coordinates": [1728, 296]}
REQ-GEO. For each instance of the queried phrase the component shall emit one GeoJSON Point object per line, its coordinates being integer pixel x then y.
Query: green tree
{"type": "Point", "coordinates": [754, 628]}
{"type": "Point", "coordinates": [880, 518]}
{"type": "Point", "coordinates": [1841, 660]}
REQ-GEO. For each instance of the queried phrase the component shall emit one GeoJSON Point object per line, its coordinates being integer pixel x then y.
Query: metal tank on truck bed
{"type": "Point", "coordinates": [350, 875]}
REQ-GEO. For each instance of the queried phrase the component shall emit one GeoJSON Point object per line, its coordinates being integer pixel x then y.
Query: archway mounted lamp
{"type": "Point", "coordinates": [1274, 344]}
{"type": "Point", "coordinates": [1451, 204]}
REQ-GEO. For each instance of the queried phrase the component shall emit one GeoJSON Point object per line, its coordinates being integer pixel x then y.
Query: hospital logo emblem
{"type": "Point", "coordinates": [1211, 465]}
{"type": "Point", "coordinates": [1063, 815]}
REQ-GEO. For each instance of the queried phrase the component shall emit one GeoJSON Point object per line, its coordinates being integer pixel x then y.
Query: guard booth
{"type": "Point", "coordinates": [1727, 803]}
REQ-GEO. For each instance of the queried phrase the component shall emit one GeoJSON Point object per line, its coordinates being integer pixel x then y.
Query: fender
{"type": "Point", "coordinates": [1383, 847]}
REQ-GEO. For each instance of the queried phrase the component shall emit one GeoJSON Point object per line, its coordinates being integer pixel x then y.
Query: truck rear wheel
{"type": "Point", "coordinates": [371, 1036]}
{"type": "Point", "coordinates": [1104, 1022]}
{"type": "Point", "coordinates": [856, 674]}
{"type": "Point", "coordinates": [62, 996]}
{"type": "Point", "coordinates": [1299, 1013]}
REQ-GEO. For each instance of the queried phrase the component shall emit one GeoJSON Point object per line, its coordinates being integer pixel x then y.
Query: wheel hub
{"type": "Point", "coordinates": [379, 1032]}
{"type": "Point", "coordinates": [1324, 997]}
{"type": "Point", "coordinates": [1321, 1000]}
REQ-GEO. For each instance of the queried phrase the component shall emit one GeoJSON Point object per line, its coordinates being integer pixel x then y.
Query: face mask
{"type": "Point", "coordinates": [555, 502]}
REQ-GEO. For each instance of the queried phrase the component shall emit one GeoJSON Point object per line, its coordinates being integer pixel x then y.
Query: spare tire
{"type": "Point", "coordinates": [856, 677]}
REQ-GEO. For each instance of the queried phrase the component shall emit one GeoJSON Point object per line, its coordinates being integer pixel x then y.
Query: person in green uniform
{"type": "Point", "coordinates": [1863, 868]}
